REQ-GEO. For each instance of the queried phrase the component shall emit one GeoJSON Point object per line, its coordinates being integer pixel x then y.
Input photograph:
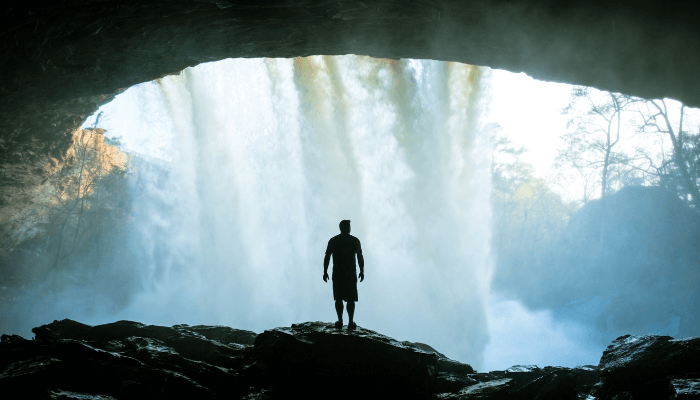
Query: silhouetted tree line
{"type": "Point", "coordinates": [615, 140]}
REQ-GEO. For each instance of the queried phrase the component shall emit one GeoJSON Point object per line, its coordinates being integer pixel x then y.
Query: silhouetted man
{"type": "Point", "coordinates": [343, 248]}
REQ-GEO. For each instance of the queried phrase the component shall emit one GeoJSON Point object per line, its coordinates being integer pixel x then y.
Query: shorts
{"type": "Point", "coordinates": [344, 286]}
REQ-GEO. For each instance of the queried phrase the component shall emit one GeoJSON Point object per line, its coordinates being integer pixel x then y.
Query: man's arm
{"type": "Point", "coordinates": [361, 261]}
{"type": "Point", "coordinates": [326, 261]}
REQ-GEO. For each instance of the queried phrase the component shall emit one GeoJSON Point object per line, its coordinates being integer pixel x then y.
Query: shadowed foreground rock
{"type": "Point", "coordinates": [650, 367]}
{"type": "Point", "coordinates": [128, 360]}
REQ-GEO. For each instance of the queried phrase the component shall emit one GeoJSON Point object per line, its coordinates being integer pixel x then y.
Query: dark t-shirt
{"type": "Point", "coordinates": [343, 248]}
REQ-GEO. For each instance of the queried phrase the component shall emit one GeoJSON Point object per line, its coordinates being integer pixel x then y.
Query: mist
{"type": "Point", "coordinates": [239, 171]}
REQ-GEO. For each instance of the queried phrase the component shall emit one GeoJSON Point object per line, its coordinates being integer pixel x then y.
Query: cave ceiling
{"type": "Point", "coordinates": [60, 62]}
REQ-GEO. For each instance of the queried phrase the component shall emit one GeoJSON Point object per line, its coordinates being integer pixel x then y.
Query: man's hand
{"type": "Point", "coordinates": [325, 276]}
{"type": "Point", "coordinates": [362, 276]}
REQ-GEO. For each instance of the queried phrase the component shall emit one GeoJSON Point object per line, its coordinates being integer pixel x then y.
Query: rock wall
{"type": "Point", "coordinates": [60, 62]}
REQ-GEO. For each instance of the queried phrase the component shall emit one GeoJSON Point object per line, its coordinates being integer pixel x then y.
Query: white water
{"type": "Point", "coordinates": [260, 160]}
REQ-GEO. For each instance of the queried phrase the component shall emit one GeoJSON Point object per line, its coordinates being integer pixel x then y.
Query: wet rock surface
{"type": "Point", "coordinates": [686, 388]}
{"type": "Point", "coordinates": [129, 360]}
{"type": "Point", "coordinates": [643, 367]}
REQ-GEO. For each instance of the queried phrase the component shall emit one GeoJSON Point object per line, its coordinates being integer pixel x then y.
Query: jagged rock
{"type": "Point", "coordinates": [223, 334]}
{"type": "Point", "coordinates": [452, 375]}
{"type": "Point", "coordinates": [449, 382]}
{"type": "Point", "coordinates": [155, 353]}
{"type": "Point", "coordinates": [445, 364]}
{"type": "Point", "coordinates": [11, 338]}
{"type": "Point", "coordinates": [529, 382]}
{"type": "Point", "coordinates": [497, 389]}
{"type": "Point", "coordinates": [489, 376]}
{"type": "Point", "coordinates": [422, 346]}
{"type": "Point", "coordinates": [189, 342]}
{"type": "Point", "coordinates": [561, 385]}
{"type": "Point", "coordinates": [128, 360]}
{"type": "Point", "coordinates": [686, 389]}
{"type": "Point", "coordinates": [523, 374]}
{"type": "Point", "coordinates": [66, 395]}
{"type": "Point", "coordinates": [644, 366]}
{"type": "Point", "coordinates": [587, 375]}
{"type": "Point", "coordinates": [323, 358]}
{"type": "Point", "coordinates": [31, 367]}
{"type": "Point", "coordinates": [642, 358]}
{"type": "Point", "coordinates": [454, 367]}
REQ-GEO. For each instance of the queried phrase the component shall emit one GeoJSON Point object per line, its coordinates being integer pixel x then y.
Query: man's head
{"type": "Point", "coordinates": [344, 226]}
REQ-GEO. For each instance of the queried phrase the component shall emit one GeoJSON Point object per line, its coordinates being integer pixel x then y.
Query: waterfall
{"type": "Point", "coordinates": [248, 165]}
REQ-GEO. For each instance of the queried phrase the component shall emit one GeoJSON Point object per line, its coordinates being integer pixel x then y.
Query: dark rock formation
{"type": "Point", "coordinates": [215, 345]}
{"type": "Point", "coordinates": [128, 360]}
{"type": "Point", "coordinates": [125, 359]}
{"type": "Point", "coordinates": [131, 360]}
{"type": "Point", "coordinates": [321, 358]}
{"type": "Point", "coordinates": [644, 366]}
{"type": "Point", "coordinates": [496, 389]}
{"type": "Point", "coordinates": [523, 374]}
{"type": "Point", "coordinates": [686, 388]}
{"type": "Point", "coordinates": [62, 60]}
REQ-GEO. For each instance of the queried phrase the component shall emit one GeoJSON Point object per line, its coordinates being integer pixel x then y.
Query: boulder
{"type": "Point", "coordinates": [449, 382]}
{"type": "Point", "coordinates": [523, 374]}
{"type": "Point", "coordinates": [217, 345]}
{"type": "Point", "coordinates": [452, 375]}
{"type": "Point", "coordinates": [222, 334]}
{"type": "Point", "coordinates": [497, 389]}
{"type": "Point", "coordinates": [587, 376]}
{"type": "Point", "coordinates": [560, 385]}
{"type": "Point", "coordinates": [454, 367]}
{"type": "Point", "coordinates": [320, 357]}
{"type": "Point", "coordinates": [489, 376]}
{"type": "Point", "coordinates": [686, 389]}
{"type": "Point", "coordinates": [422, 346]}
{"type": "Point", "coordinates": [126, 360]}
{"type": "Point", "coordinates": [38, 366]}
{"type": "Point", "coordinates": [645, 365]}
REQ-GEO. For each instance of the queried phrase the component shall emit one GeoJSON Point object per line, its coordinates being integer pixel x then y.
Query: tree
{"type": "Point", "coordinates": [79, 185]}
{"type": "Point", "coordinates": [590, 151]}
{"type": "Point", "coordinates": [683, 172]}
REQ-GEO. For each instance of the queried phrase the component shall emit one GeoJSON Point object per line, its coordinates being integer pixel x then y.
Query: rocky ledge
{"type": "Point", "coordinates": [129, 360]}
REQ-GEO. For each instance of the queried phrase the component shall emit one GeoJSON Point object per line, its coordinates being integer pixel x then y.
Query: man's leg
{"type": "Point", "coordinates": [339, 310]}
{"type": "Point", "coordinates": [351, 311]}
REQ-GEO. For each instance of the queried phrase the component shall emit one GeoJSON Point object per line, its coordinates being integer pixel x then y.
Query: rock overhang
{"type": "Point", "coordinates": [62, 61]}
